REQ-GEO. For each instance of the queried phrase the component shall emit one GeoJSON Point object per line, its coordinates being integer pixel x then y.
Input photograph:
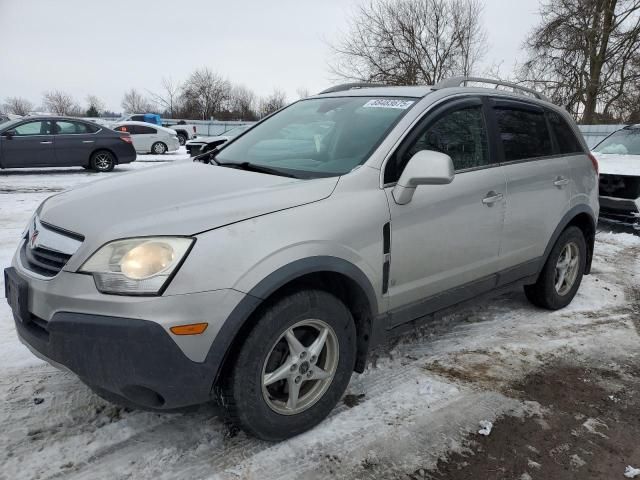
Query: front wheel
{"type": "Point", "coordinates": [293, 366]}
{"type": "Point", "coordinates": [103, 161]}
{"type": "Point", "coordinates": [562, 274]}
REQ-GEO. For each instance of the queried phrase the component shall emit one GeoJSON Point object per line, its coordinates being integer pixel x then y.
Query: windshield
{"type": "Point", "coordinates": [622, 142]}
{"type": "Point", "coordinates": [9, 123]}
{"type": "Point", "coordinates": [235, 131]}
{"type": "Point", "coordinates": [321, 137]}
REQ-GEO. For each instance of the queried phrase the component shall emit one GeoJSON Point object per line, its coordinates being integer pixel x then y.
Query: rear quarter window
{"type": "Point", "coordinates": [565, 137]}
{"type": "Point", "coordinates": [524, 134]}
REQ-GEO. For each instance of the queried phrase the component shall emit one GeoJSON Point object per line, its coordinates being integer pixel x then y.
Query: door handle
{"type": "Point", "coordinates": [88, 141]}
{"type": "Point", "coordinates": [491, 198]}
{"type": "Point", "coordinates": [46, 143]}
{"type": "Point", "coordinates": [561, 182]}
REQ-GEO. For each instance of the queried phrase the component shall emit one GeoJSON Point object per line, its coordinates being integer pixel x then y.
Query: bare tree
{"type": "Point", "coordinates": [94, 106]}
{"type": "Point", "coordinates": [584, 55]}
{"type": "Point", "coordinates": [134, 102]}
{"type": "Point", "coordinates": [411, 41]}
{"type": "Point", "coordinates": [275, 101]}
{"type": "Point", "coordinates": [303, 92]}
{"type": "Point", "coordinates": [168, 100]}
{"type": "Point", "coordinates": [242, 103]}
{"type": "Point", "coordinates": [61, 103]}
{"type": "Point", "coordinates": [206, 92]}
{"type": "Point", "coordinates": [17, 105]}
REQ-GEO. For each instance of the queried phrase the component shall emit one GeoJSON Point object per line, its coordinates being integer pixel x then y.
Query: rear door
{"type": "Point", "coordinates": [538, 182]}
{"type": "Point", "coordinates": [146, 137]}
{"type": "Point", "coordinates": [447, 236]}
{"type": "Point", "coordinates": [75, 141]}
{"type": "Point", "coordinates": [31, 145]}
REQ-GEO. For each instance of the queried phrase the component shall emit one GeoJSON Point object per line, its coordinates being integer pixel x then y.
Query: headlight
{"type": "Point", "coordinates": [136, 266]}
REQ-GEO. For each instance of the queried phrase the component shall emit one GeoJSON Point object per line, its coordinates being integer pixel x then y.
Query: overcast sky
{"type": "Point", "coordinates": [105, 47]}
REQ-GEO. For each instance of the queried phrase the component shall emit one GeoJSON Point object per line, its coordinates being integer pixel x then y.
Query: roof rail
{"type": "Point", "coordinates": [350, 86]}
{"type": "Point", "coordinates": [462, 81]}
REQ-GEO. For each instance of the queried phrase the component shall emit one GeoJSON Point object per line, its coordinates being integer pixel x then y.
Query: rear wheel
{"type": "Point", "coordinates": [182, 138]}
{"type": "Point", "coordinates": [562, 273]}
{"type": "Point", "coordinates": [293, 367]}
{"type": "Point", "coordinates": [158, 148]}
{"type": "Point", "coordinates": [103, 161]}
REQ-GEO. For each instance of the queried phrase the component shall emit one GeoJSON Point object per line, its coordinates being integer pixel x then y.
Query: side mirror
{"type": "Point", "coordinates": [426, 167]}
{"type": "Point", "coordinates": [9, 134]}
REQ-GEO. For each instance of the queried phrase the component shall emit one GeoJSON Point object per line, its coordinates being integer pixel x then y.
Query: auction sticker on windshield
{"type": "Point", "coordinates": [388, 103]}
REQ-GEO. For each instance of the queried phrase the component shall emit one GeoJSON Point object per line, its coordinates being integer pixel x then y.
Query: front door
{"type": "Point", "coordinates": [29, 144]}
{"type": "Point", "coordinates": [447, 236]}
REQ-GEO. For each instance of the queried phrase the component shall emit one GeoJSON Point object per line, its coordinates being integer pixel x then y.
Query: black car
{"type": "Point", "coordinates": [62, 142]}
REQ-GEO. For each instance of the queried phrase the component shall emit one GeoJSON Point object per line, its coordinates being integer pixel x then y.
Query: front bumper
{"type": "Point", "coordinates": [123, 344]}
{"type": "Point", "coordinates": [131, 358]}
{"type": "Point", "coordinates": [620, 210]}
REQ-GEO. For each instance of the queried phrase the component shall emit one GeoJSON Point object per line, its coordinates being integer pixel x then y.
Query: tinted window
{"type": "Point", "coordinates": [122, 128]}
{"type": "Point", "coordinates": [64, 127]}
{"type": "Point", "coordinates": [137, 118]}
{"type": "Point", "coordinates": [34, 128]}
{"type": "Point", "coordinates": [567, 141]}
{"type": "Point", "coordinates": [524, 134]}
{"type": "Point", "coordinates": [142, 130]}
{"type": "Point", "coordinates": [460, 134]}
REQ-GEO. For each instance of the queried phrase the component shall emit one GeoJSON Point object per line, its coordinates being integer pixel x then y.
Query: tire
{"type": "Point", "coordinates": [545, 292]}
{"type": "Point", "coordinates": [159, 148]}
{"type": "Point", "coordinates": [182, 139]}
{"type": "Point", "coordinates": [102, 161]}
{"type": "Point", "coordinates": [265, 411]}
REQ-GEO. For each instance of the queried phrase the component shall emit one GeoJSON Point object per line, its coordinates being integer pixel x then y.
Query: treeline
{"type": "Point", "coordinates": [203, 95]}
{"type": "Point", "coordinates": [583, 54]}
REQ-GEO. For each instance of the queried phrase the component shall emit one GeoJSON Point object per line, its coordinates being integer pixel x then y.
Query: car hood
{"type": "Point", "coordinates": [183, 198]}
{"type": "Point", "coordinates": [614, 164]}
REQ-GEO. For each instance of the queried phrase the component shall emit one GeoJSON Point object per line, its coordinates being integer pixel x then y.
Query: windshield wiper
{"type": "Point", "coordinates": [252, 167]}
{"type": "Point", "coordinates": [207, 157]}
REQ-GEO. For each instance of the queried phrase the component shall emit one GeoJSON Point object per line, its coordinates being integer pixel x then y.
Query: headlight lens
{"type": "Point", "coordinates": [136, 266]}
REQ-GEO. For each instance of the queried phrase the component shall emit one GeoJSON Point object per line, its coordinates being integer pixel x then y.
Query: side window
{"type": "Point", "coordinates": [121, 128]}
{"type": "Point", "coordinates": [567, 141]}
{"type": "Point", "coordinates": [33, 128]}
{"type": "Point", "coordinates": [63, 127]}
{"type": "Point", "coordinates": [461, 134]}
{"type": "Point", "coordinates": [137, 118]}
{"type": "Point", "coordinates": [144, 130]}
{"type": "Point", "coordinates": [524, 133]}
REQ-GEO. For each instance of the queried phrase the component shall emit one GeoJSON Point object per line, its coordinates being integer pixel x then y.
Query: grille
{"type": "Point", "coordinates": [619, 186]}
{"type": "Point", "coordinates": [43, 261]}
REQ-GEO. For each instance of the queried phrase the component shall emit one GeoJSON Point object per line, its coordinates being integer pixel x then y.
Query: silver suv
{"type": "Point", "coordinates": [261, 275]}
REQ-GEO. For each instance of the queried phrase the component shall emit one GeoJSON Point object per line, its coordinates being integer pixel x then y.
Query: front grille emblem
{"type": "Point", "coordinates": [34, 236]}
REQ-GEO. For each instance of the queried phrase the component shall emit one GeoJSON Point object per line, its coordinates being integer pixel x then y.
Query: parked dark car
{"type": "Point", "coordinates": [62, 142]}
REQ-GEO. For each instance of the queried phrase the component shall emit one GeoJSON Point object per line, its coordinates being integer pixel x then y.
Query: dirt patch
{"type": "Point", "coordinates": [588, 428]}
{"type": "Point", "coordinates": [351, 400]}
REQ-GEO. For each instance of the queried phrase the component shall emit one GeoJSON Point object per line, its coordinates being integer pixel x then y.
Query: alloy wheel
{"type": "Point", "coordinates": [567, 268]}
{"type": "Point", "coordinates": [102, 161]}
{"type": "Point", "coordinates": [300, 367]}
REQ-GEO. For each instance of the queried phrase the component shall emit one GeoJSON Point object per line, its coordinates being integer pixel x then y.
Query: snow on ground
{"type": "Point", "coordinates": [404, 412]}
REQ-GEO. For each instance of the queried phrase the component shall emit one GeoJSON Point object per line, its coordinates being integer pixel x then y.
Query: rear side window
{"type": "Point", "coordinates": [143, 130]}
{"type": "Point", "coordinates": [137, 118]}
{"type": "Point", "coordinates": [64, 127]}
{"type": "Point", "coordinates": [566, 139]}
{"type": "Point", "coordinates": [524, 134]}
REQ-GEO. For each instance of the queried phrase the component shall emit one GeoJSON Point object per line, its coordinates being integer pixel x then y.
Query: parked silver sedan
{"type": "Point", "coordinates": [150, 138]}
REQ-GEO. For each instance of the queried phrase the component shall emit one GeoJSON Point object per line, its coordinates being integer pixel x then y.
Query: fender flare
{"type": "Point", "coordinates": [242, 312]}
{"type": "Point", "coordinates": [562, 225]}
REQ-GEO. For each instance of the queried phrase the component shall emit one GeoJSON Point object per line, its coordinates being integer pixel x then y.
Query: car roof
{"type": "Point", "coordinates": [414, 91]}
{"type": "Point", "coordinates": [144, 124]}
{"type": "Point", "coordinates": [54, 117]}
